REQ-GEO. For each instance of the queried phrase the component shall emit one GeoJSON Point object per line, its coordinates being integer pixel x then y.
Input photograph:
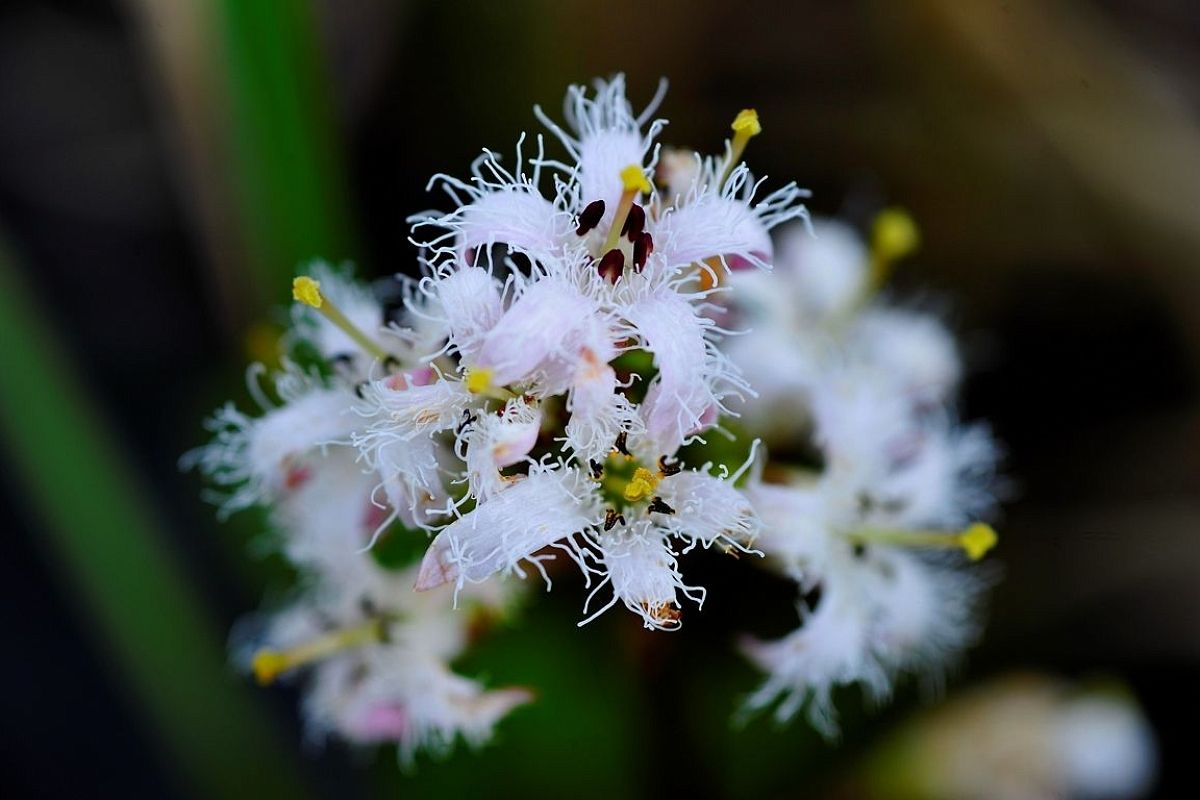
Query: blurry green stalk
{"type": "Point", "coordinates": [113, 559]}
{"type": "Point", "coordinates": [291, 176]}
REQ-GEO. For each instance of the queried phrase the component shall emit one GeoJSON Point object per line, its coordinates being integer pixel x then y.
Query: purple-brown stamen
{"type": "Point", "coordinates": [643, 246]}
{"type": "Point", "coordinates": [590, 217]}
{"type": "Point", "coordinates": [611, 266]}
{"type": "Point", "coordinates": [635, 222]}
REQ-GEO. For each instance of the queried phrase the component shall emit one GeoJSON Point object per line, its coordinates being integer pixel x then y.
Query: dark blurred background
{"type": "Point", "coordinates": [165, 165]}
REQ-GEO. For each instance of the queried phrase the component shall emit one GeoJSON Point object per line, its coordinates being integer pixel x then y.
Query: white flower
{"type": "Point", "coordinates": [915, 348]}
{"type": "Point", "coordinates": [603, 255]}
{"type": "Point", "coordinates": [260, 459]}
{"type": "Point", "coordinates": [546, 507]}
{"type": "Point", "coordinates": [392, 695]}
{"type": "Point", "coordinates": [639, 563]}
{"type": "Point", "coordinates": [496, 441]}
{"type": "Point", "coordinates": [378, 663]}
{"type": "Point", "coordinates": [564, 507]}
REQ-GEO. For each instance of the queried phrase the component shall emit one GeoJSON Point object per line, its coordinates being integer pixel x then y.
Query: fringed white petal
{"type": "Point", "coordinates": [519, 218]}
{"type": "Point", "coordinates": [400, 407]}
{"type": "Point", "coordinates": [707, 510]}
{"type": "Point", "coordinates": [469, 302]}
{"type": "Point", "coordinates": [831, 648]}
{"type": "Point", "coordinates": [260, 459]}
{"type": "Point", "coordinates": [693, 376]}
{"type": "Point", "coordinates": [410, 474]}
{"type": "Point", "coordinates": [496, 441]}
{"type": "Point", "coordinates": [407, 698]}
{"type": "Point", "coordinates": [713, 227]}
{"type": "Point", "coordinates": [644, 575]}
{"type": "Point", "coordinates": [541, 509]}
{"type": "Point", "coordinates": [915, 349]}
{"type": "Point", "coordinates": [793, 529]}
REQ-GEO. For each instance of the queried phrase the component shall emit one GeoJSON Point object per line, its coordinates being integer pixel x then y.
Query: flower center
{"type": "Point", "coordinates": [625, 483]}
{"type": "Point", "coordinates": [627, 241]}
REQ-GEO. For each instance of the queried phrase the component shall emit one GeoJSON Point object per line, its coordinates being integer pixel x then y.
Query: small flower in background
{"type": "Point", "coordinates": [1022, 737]}
{"type": "Point", "coordinates": [581, 329]}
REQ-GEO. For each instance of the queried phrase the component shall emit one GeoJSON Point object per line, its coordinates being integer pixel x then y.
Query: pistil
{"type": "Point", "coordinates": [270, 664]}
{"type": "Point", "coordinates": [745, 127]}
{"type": "Point", "coordinates": [634, 182]}
{"type": "Point", "coordinates": [975, 540]}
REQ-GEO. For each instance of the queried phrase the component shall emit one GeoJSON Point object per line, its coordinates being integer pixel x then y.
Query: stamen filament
{"type": "Point", "coordinates": [308, 291]}
{"type": "Point", "coordinates": [894, 235]}
{"type": "Point", "coordinates": [478, 380]}
{"type": "Point", "coordinates": [976, 540]}
{"type": "Point", "coordinates": [635, 183]}
{"type": "Point", "coordinates": [745, 127]}
{"type": "Point", "coordinates": [270, 664]}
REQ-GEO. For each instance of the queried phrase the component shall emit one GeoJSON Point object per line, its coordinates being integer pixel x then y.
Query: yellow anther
{"type": "Point", "coordinates": [746, 123]}
{"type": "Point", "coordinates": [307, 291]}
{"type": "Point", "coordinates": [894, 235]}
{"type": "Point", "coordinates": [479, 380]}
{"type": "Point", "coordinates": [641, 485]}
{"type": "Point", "coordinates": [633, 179]}
{"type": "Point", "coordinates": [268, 665]}
{"type": "Point", "coordinates": [977, 540]}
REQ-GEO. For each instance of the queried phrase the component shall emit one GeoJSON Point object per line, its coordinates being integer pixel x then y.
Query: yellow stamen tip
{"type": "Point", "coordinates": [267, 666]}
{"type": "Point", "coordinates": [632, 178]}
{"type": "Point", "coordinates": [641, 485]}
{"type": "Point", "coordinates": [977, 540]}
{"type": "Point", "coordinates": [307, 291]}
{"type": "Point", "coordinates": [746, 123]}
{"type": "Point", "coordinates": [894, 234]}
{"type": "Point", "coordinates": [479, 379]}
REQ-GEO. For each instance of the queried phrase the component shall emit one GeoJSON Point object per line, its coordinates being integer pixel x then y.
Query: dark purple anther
{"type": "Point", "coordinates": [635, 221]}
{"type": "Point", "coordinates": [643, 246]}
{"type": "Point", "coordinates": [590, 217]}
{"type": "Point", "coordinates": [611, 266]}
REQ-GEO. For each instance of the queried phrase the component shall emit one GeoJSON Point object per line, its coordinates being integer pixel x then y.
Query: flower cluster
{"type": "Point", "coordinates": [545, 389]}
{"type": "Point", "coordinates": [879, 507]}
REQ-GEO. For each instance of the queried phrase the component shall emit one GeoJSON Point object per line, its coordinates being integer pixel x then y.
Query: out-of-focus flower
{"type": "Point", "coordinates": [1024, 737]}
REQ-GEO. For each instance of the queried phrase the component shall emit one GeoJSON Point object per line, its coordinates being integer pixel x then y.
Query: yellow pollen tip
{"type": "Point", "coordinates": [306, 290]}
{"type": "Point", "coordinates": [641, 485]}
{"type": "Point", "coordinates": [977, 540]}
{"type": "Point", "coordinates": [267, 666]}
{"type": "Point", "coordinates": [894, 234]}
{"type": "Point", "coordinates": [746, 123]}
{"type": "Point", "coordinates": [479, 379]}
{"type": "Point", "coordinates": [632, 178]}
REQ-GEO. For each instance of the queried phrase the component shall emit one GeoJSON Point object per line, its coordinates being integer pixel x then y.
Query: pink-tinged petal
{"type": "Point", "coordinates": [692, 377]}
{"type": "Point", "coordinates": [521, 219]}
{"type": "Point", "coordinates": [469, 301]}
{"type": "Point", "coordinates": [387, 722]}
{"type": "Point", "coordinates": [541, 327]}
{"type": "Point", "coordinates": [514, 524]}
{"type": "Point", "coordinates": [602, 156]}
{"type": "Point", "coordinates": [709, 227]}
